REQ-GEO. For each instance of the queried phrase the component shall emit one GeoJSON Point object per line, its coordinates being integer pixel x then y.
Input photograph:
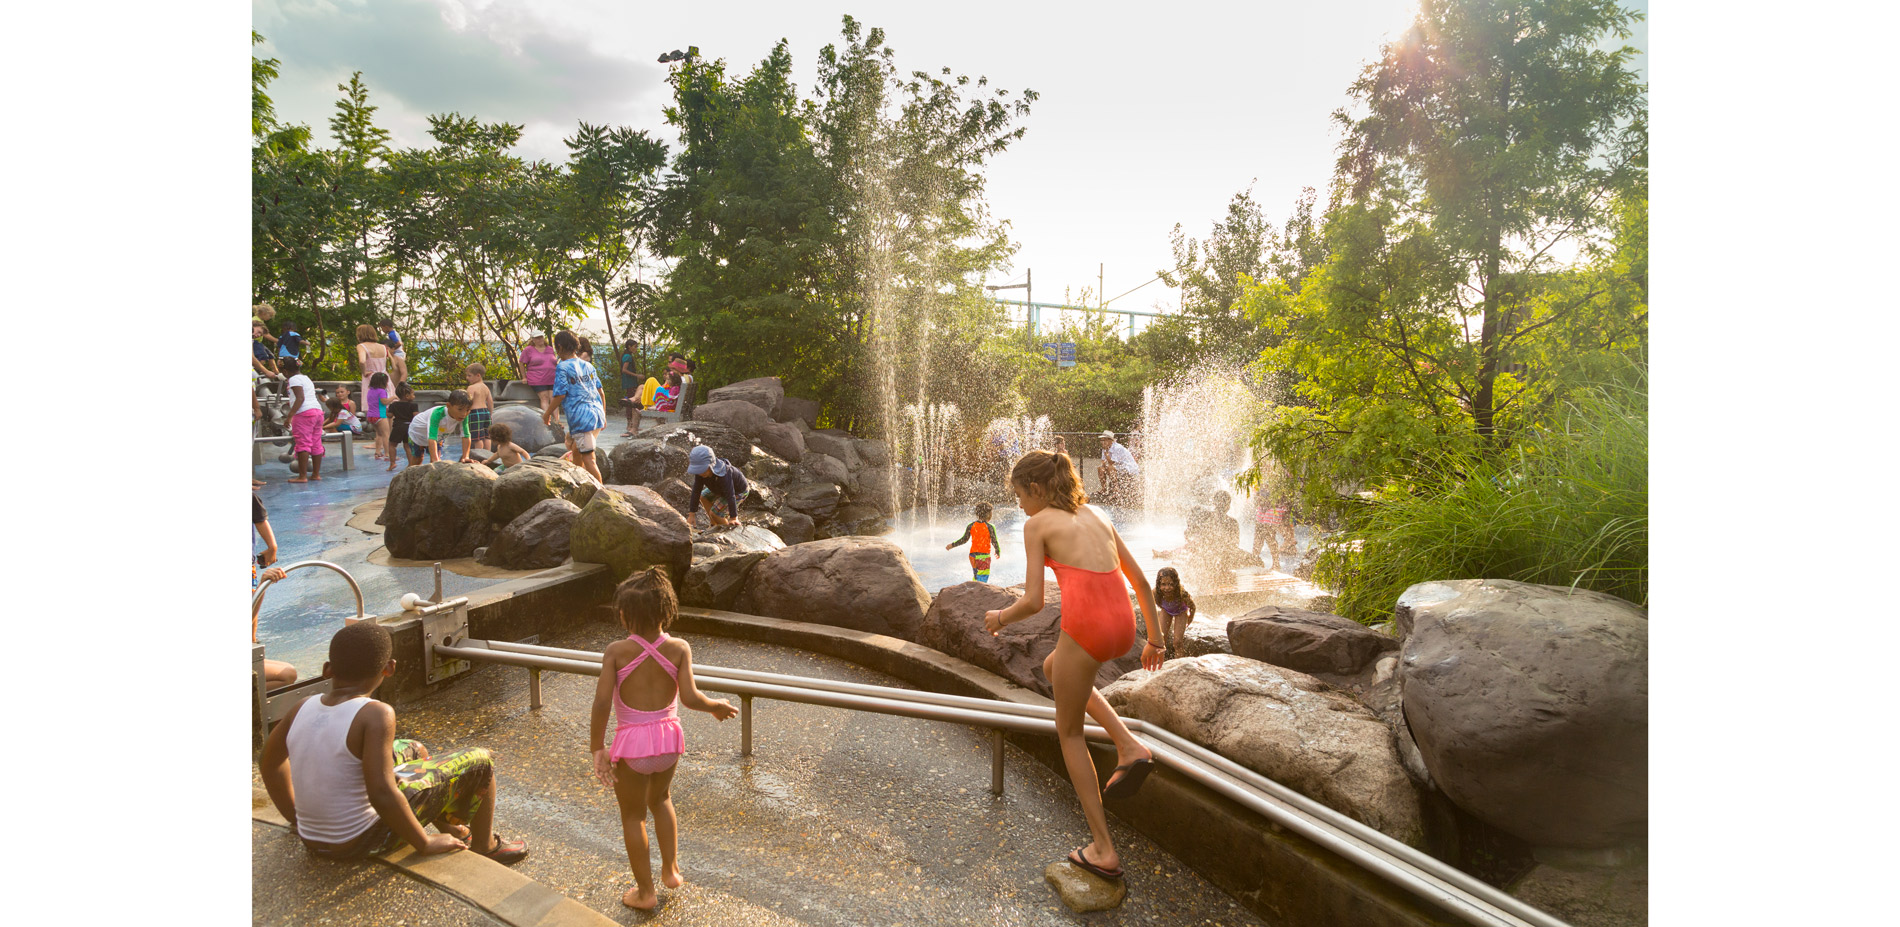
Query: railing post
{"type": "Point", "coordinates": [996, 761]}
{"type": "Point", "coordinates": [534, 687]}
{"type": "Point", "coordinates": [745, 725]}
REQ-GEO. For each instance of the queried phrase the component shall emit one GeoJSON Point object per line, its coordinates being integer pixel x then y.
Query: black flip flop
{"type": "Point", "coordinates": [1133, 775]}
{"type": "Point", "coordinates": [1077, 857]}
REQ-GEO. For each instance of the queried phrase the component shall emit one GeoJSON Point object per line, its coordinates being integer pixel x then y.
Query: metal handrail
{"type": "Point", "coordinates": [1424, 876]}
{"type": "Point", "coordinates": [257, 598]}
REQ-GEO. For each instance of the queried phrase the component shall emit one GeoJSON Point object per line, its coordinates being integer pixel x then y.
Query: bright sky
{"type": "Point", "coordinates": [1144, 121]}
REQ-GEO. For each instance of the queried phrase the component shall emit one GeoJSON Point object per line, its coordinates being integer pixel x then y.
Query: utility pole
{"type": "Point", "coordinates": [1101, 295]}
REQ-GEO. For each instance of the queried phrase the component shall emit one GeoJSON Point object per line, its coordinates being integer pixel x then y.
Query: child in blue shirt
{"type": "Point", "coordinates": [582, 401]}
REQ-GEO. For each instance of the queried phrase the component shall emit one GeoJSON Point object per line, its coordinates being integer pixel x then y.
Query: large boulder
{"type": "Point", "coordinates": [792, 411]}
{"type": "Point", "coordinates": [872, 452]}
{"type": "Point", "coordinates": [534, 540]}
{"type": "Point", "coordinates": [781, 440]}
{"type": "Point", "coordinates": [1311, 642]}
{"type": "Point", "coordinates": [873, 487]}
{"type": "Point", "coordinates": [855, 520]}
{"type": "Point", "coordinates": [749, 419]}
{"type": "Point", "coordinates": [679, 494]}
{"type": "Point", "coordinates": [1284, 724]}
{"type": "Point", "coordinates": [954, 625]}
{"type": "Point", "coordinates": [861, 583]}
{"type": "Point", "coordinates": [795, 527]}
{"type": "Point", "coordinates": [525, 422]}
{"type": "Point", "coordinates": [645, 461]}
{"type": "Point", "coordinates": [763, 392]}
{"type": "Point", "coordinates": [437, 511]}
{"type": "Point", "coordinates": [767, 469]}
{"type": "Point", "coordinates": [1530, 705]}
{"type": "Point", "coordinates": [716, 581]}
{"type": "Point", "coordinates": [817, 500]}
{"type": "Point", "coordinates": [742, 539]}
{"type": "Point", "coordinates": [552, 450]}
{"type": "Point", "coordinates": [725, 440]}
{"type": "Point", "coordinates": [523, 486]}
{"type": "Point", "coordinates": [820, 468]}
{"type": "Point", "coordinates": [835, 444]}
{"type": "Point", "coordinates": [630, 528]}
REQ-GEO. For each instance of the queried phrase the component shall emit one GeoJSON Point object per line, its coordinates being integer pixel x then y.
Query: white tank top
{"type": "Point", "coordinates": [332, 802]}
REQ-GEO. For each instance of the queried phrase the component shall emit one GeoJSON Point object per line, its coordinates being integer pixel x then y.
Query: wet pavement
{"type": "Point", "coordinates": [839, 818]}
{"type": "Point", "coordinates": [291, 887]}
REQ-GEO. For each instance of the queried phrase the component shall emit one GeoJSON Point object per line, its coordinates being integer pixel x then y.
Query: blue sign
{"type": "Point", "coordinates": [1060, 353]}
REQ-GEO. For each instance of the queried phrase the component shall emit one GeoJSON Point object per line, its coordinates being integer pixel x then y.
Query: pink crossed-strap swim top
{"type": "Point", "coordinates": [641, 734]}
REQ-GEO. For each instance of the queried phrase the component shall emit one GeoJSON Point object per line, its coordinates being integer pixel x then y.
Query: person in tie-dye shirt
{"type": "Point", "coordinates": [582, 402]}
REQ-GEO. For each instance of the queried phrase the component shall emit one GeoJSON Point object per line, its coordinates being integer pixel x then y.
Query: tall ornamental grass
{"type": "Point", "coordinates": [1567, 506]}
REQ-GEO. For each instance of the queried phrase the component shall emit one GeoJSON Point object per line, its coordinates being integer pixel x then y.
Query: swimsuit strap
{"type": "Point", "coordinates": [649, 650]}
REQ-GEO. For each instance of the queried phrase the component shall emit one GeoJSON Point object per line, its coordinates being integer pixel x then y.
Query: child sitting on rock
{"type": "Point", "coordinates": [1177, 609]}
{"type": "Point", "coordinates": [983, 542]}
{"type": "Point", "coordinates": [643, 680]}
{"type": "Point", "coordinates": [349, 788]}
{"type": "Point", "coordinates": [507, 452]}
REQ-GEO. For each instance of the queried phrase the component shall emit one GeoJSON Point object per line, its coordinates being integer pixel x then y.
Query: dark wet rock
{"type": "Point", "coordinates": [1083, 891]}
{"type": "Point", "coordinates": [1310, 642]}
{"type": "Point", "coordinates": [536, 539]}
{"type": "Point", "coordinates": [764, 393]}
{"type": "Point", "coordinates": [792, 410]}
{"type": "Point", "coordinates": [873, 487]}
{"type": "Point", "coordinates": [820, 468]}
{"type": "Point", "coordinates": [855, 520]}
{"type": "Point", "coordinates": [525, 422]}
{"type": "Point", "coordinates": [645, 461]}
{"type": "Point", "coordinates": [747, 418]}
{"type": "Point", "coordinates": [678, 494]}
{"type": "Point", "coordinates": [725, 440]}
{"type": "Point", "coordinates": [584, 493]}
{"type": "Point", "coordinates": [438, 511]}
{"type": "Point", "coordinates": [630, 528]}
{"type": "Point", "coordinates": [862, 583]}
{"type": "Point", "coordinates": [768, 469]}
{"type": "Point", "coordinates": [872, 452]}
{"type": "Point", "coordinates": [1284, 724]}
{"type": "Point", "coordinates": [1530, 705]}
{"type": "Point", "coordinates": [954, 625]}
{"type": "Point", "coordinates": [836, 444]}
{"type": "Point", "coordinates": [795, 527]}
{"type": "Point", "coordinates": [716, 581]}
{"type": "Point", "coordinates": [817, 500]}
{"type": "Point", "coordinates": [761, 498]}
{"type": "Point", "coordinates": [552, 450]}
{"type": "Point", "coordinates": [521, 487]}
{"type": "Point", "coordinates": [781, 440]}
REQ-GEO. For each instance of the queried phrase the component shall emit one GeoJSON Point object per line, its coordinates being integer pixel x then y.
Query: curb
{"type": "Point", "coordinates": [497, 890]}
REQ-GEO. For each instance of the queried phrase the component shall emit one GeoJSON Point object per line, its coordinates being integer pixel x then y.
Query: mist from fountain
{"type": "Point", "coordinates": [1194, 440]}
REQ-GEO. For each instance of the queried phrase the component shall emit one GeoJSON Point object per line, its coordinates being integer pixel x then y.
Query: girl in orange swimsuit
{"type": "Point", "coordinates": [1080, 544]}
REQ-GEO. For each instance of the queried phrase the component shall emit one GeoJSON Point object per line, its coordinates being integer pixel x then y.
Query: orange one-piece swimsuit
{"type": "Point", "coordinates": [1095, 610]}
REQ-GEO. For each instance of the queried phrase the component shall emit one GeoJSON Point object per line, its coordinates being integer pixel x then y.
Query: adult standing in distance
{"type": "Point", "coordinates": [1118, 471]}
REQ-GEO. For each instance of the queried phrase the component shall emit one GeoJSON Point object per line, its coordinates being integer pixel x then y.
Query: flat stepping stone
{"type": "Point", "coordinates": [1084, 891]}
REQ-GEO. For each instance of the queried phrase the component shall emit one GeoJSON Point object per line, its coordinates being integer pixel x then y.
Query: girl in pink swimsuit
{"type": "Point", "coordinates": [648, 668]}
{"type": "Point", "coordinates": [1091, 562]}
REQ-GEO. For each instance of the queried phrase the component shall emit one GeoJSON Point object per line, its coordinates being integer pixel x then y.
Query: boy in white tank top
{"type": "Point", "coordinates": [352, 798]}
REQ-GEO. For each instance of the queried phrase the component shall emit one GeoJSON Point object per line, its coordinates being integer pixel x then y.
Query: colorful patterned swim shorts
{"type": "Point", "coordinates": [980, 565]}
{"type": "Point", "coordinates": [478, 424]}
{"type": "Point", "coordinates": [444, 789]}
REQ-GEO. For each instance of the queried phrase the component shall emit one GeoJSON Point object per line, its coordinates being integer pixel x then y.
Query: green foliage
{"type": "Point", "coordinates": [1427, 315]}
{"type": "Point", "coordinates": [1568, 505]}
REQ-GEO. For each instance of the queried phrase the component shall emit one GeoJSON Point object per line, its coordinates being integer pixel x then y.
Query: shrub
{"type": "Point", "coordinates": [1566, 506]}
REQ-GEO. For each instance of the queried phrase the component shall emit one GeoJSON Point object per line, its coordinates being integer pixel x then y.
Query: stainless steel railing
{"type": "Point", "coordinates": [257, 598]}
{"type": "Point", "coordinates": [1456, 892]}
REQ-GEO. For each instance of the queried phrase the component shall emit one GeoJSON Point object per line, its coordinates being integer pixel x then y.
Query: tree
{"type": "Point", "coordinates": [610, 174]}
{"type": "Point", "coordinates": [1481, 248]}
{"type": "Point", "coordinates": [1211, 275]}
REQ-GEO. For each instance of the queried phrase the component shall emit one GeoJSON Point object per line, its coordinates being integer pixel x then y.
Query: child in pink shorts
{"type": "Point", "coordinates": [306, 421]}
{"type": "Point", "coordinates": [646, 669]}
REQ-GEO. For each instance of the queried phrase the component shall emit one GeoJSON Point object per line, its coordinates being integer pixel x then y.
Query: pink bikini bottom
{"type": "Point", "coordinates": [648, 765]}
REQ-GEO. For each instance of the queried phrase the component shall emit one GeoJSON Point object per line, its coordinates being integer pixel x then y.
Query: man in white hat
{"type": "Point", "coordinates": [1118, 471]}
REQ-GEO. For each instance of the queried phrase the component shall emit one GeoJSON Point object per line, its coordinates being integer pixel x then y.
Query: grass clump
{"type": "Point", "coordinates": [1567, 505]}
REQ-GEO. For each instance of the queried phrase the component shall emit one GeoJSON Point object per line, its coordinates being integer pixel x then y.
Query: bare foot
{"type": "Point", "coordinates": [315, 479]}
{"type": "Point", "coordinates": [671, 878]}
{"type": "Point", "coordinates": [641, 901]}
{"type": "Point", "coordinates": [296, 479]}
